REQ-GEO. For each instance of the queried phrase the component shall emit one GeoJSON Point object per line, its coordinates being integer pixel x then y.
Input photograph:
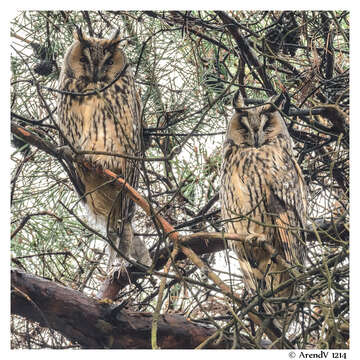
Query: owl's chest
{"type": "Point", "coordinates": [99, 118]}
{"type": "Point", "coordinates": [261, 164]}
{"type": "Point", "coordinates": [89, 115]}
{"type": "Point", "coordinates": [79, 111]}
{"type": "Point", "coordinates": [248, 176]}
{"type": "Point", "coordinates": [113, 109]}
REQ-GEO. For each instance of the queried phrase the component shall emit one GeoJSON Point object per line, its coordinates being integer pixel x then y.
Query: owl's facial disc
{"type": "Point", "coordinates": [100, 63]}
{"type": "Point", "coordinates": [254, 128]}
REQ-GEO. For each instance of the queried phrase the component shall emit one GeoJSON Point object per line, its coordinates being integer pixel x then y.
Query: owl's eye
{"type": "Point", "coordinates": [83, 59]}
{"type": "Point", "coordinates": [267, 125]}
{"type": "Point", "coordinates": [242, 126]}
{"type": "Point", "coordinates": [109, 62]}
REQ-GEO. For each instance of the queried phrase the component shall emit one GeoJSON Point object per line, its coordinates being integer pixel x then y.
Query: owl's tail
{"type": "Point", "coordinates": [260, 275]}
{"type": "Point", "coordinates": [123, 242]}
{"type": "Point", "coordinates": [260, 272]}
{"type": "Point", "coordinates": [129, 245]}
{"type": "Point", "coordinates": [114, 210]}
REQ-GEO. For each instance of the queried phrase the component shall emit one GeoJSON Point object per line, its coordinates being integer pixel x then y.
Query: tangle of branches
{"type": "Point", "coordinates": [187, 65]}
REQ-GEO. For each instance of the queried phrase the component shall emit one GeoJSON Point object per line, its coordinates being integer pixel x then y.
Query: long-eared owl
{"type": "Point", "coordinates": [263, 194]}
{"type": "Point", "coordinates": [106, 121]}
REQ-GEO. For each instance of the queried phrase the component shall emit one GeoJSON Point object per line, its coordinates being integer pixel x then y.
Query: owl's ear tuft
{"type": "Point", "coordinates": [78, 35]}
{"type": "Point", "coordinates": [275, 102]}
{"type": "Point", "coordinates": [279, 100]}
{"type": "Point", "coordinates": [114, 40]}
{"type": "Point", "coordinates": [115, 37]}
{"type": "Point", "coordinates": [238, 100]}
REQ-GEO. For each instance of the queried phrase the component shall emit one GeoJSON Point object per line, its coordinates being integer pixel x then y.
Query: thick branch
{"type": "Point", "coordinates": [33, 139]}
{"type": "Point", "coordinates": [97, 325]}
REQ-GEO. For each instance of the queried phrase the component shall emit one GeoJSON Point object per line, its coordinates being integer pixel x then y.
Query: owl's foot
{"type": "Point", "coordinates": [139, 252]}
{"type": "Point", "coordinates": [256, 240]}
{"type": "Point", "coordinates": [105, 301]}
{"type": "Point", "coordinates": [65, 152]}
{"type": "Point", "coordinates": [117, 268]}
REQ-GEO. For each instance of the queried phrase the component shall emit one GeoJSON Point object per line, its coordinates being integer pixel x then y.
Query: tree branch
{"type": "Point", "coordinates": [198, 242]}
{"type": "Point", "coordinates": [98, 325]}
{"type": "Point", "coordinates": [246, 50]}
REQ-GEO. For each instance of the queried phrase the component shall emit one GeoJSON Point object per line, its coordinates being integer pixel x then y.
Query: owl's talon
{"type": "Point", "coordinates": [65, 152]}
{"type": "Point", "coordinates": [274, 255]}
{"type": "Point", "coordinates": [117, 269]}
{"type": "Point", "coordinates": [105, 301]}
{"type": "Point", "coordinates": [256, 240]}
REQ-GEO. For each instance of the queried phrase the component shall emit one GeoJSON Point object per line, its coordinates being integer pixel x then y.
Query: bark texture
{"type": "Point", "coordinates": [97, 325]}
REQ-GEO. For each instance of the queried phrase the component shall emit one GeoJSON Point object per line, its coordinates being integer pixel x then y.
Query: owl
{"type": "Point", "coordinates": [263, 194]}
{"type": "Point", "coordinates": [106, 121]}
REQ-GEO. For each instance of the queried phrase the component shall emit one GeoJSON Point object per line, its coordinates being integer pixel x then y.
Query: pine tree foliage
{"type": "Point", "coordinates": [187, 65]}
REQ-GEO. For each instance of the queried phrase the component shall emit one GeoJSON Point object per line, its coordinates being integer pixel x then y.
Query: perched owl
{"type": "Point", "coordinates": [110, 121]}
{"type": "Point", "coordinates": [263, 194]}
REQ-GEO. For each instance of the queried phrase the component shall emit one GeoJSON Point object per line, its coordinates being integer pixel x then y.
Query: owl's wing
{"type": "Point", "coordinates": [70, 169]}
{"type": "Point", "coordinates": [288, 202]}
{"type": "Point", "coordinates": [130, 171]}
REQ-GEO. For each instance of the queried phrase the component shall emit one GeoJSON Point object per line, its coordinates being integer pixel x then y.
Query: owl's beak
{"type": "Point", "coordinates": [95, 76]}
{"type": "Point", "coordinates": [256, 140]}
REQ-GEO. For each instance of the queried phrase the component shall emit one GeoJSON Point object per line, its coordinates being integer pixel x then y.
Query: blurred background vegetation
{"type": "Point", "coordinates": [187, 66]}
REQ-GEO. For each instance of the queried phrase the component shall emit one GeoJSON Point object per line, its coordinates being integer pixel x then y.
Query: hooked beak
{"type": "Point", "coordinates": [256, 140]}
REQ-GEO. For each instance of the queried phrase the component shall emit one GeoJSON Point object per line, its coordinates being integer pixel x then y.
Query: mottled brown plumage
{"type": "Point", "coordinates": [262, 193]}
{"type": "Point", "coordinates": [108, 121]}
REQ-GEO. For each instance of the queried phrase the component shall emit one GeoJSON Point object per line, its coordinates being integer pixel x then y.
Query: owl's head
{"type": "Point", "coordinates": [92, 60]}
{"type": "Point", "coordinates": [255, 126]}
